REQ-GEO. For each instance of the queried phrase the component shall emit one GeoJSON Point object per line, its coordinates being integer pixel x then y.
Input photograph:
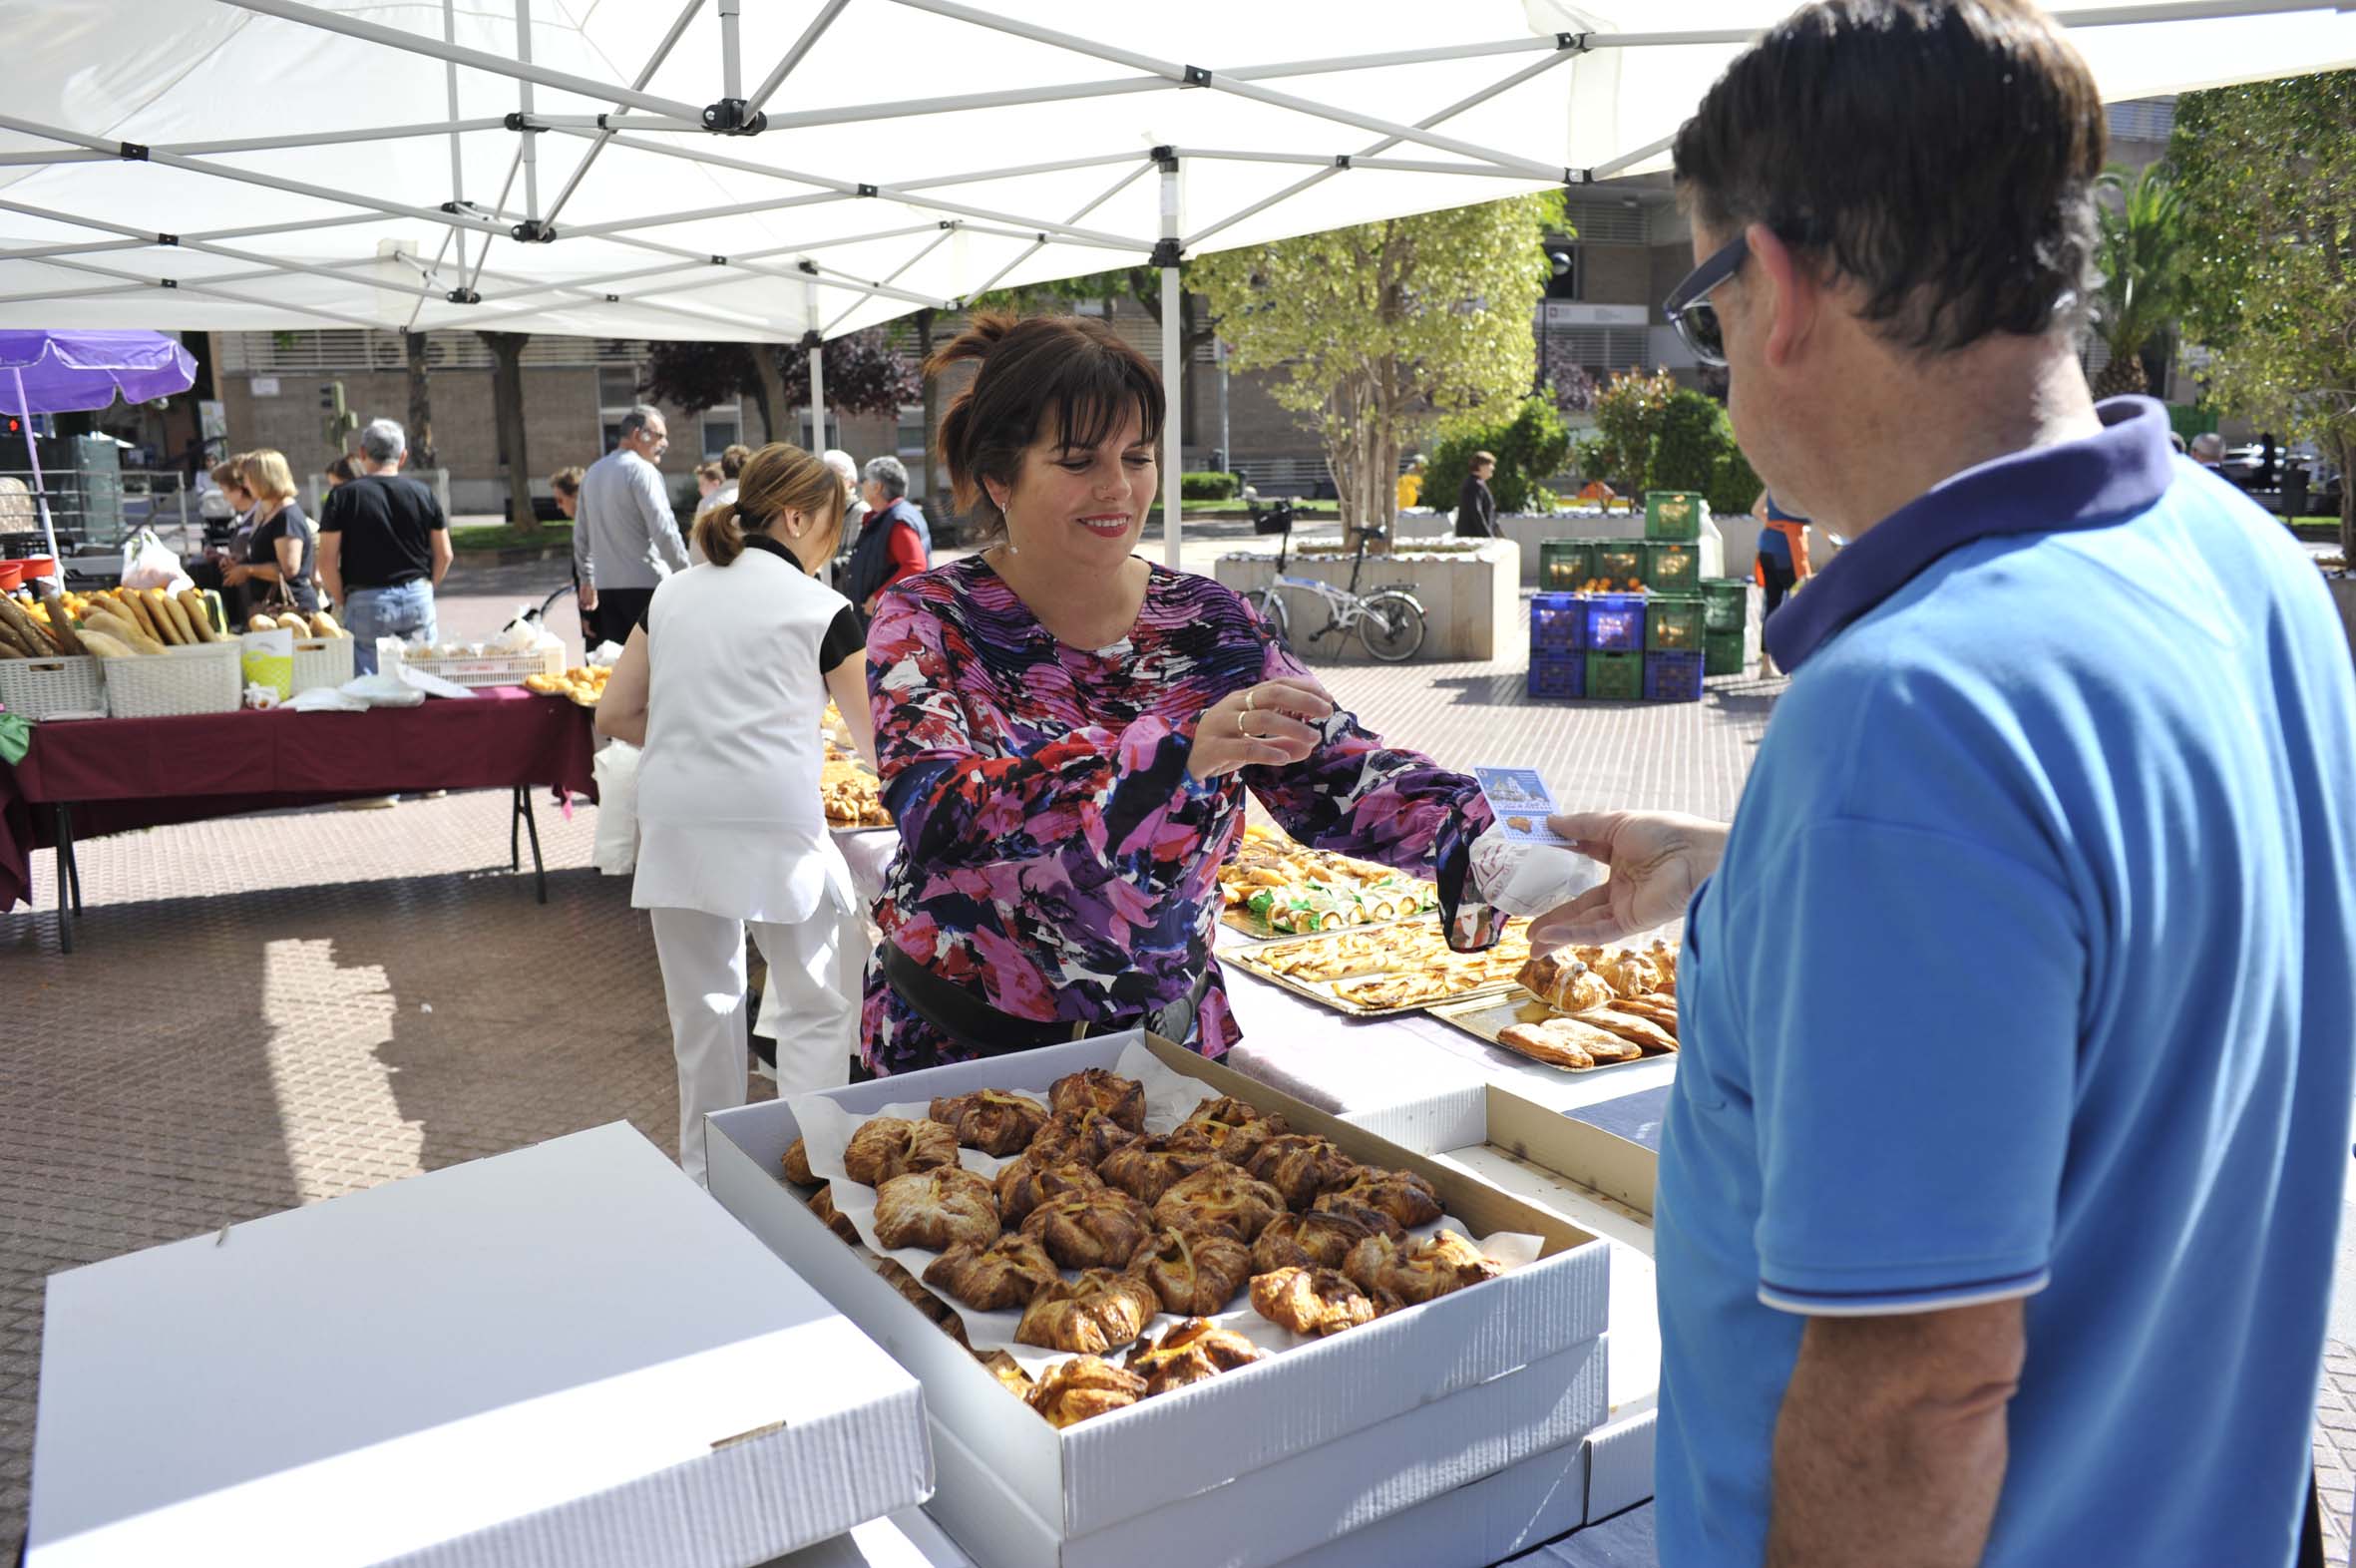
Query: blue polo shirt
{"type": "Point", "coordinates": [2030, 971]}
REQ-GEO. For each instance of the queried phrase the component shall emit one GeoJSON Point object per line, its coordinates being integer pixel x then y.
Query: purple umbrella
{"type": "Point", "coordinates": [68, 372]}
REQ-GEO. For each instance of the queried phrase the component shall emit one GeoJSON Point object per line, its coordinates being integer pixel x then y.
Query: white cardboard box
{"type": "Point", "coordinates": [1366, 1424]}
{"type": "Point", "coordinates": [566, 1353]}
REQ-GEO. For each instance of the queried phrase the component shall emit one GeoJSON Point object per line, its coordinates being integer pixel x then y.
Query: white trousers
{"type": "Point", "coordinates": [704, 979]}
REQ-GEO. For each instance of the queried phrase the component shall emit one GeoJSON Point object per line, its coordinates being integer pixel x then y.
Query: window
{"type": "Point", "coordinates": [617, 394]}
{"type": "Point", "coordinates": [723, 427]}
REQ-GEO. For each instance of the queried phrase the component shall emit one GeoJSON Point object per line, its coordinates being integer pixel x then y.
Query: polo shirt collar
{"type": "Point", "coordinates": [2088, 483]}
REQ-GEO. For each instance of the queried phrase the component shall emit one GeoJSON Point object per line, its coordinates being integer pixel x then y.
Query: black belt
{"type": "Point", "coordinates": [985, 1030]}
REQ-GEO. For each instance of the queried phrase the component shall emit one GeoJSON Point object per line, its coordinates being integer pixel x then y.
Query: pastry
{"type": "Point", "coordinates": [1084, 1135]}
{"type": "Point", "coordinates": [1220, 1199]}
{"type": "Point", "coordinates": [1404, 1196]}
{"type": "Point", "coordinates": [1300, 1166]}
{"type": "Point", "coordinates": [1640, 1032]}
{"type": "Point", "coordinates": [797, 1164]}
{"type": "Point", "coordinates": [1195, 1275]}
{"type": "Point", "coordinates": [1567, 1042]}
{"type": "Point", "coordinates": [1083, 1387]}
{"type": "Point", "coordinates": [888, 1147]}
{"type": "Point", "coordinates": [924, 1301]}
{"type": "Point", "coordinates": [1313, 1300]}
{"type": "Point", "coordinates": [1229, 1128]}
{"type": "Point", "coordinates": [1189, 1353]}
{"type": "Point", "coordinates": [822, 1204]}
{"type": "Point", "coordinates": [1663, 955]}
{"type": "Point", "coordinates": [1628, 973]}
{"type": "Point", "coordinates": [994, 1276]}
{"type": "Point", "coordinates": [991, 1120]}
{"type": "Point", "coordinates": [1009, 1374]}
{"type": "Point", "coordinates": [1656, 1007]}
{"type": "Point", "coordinates": [1153, 1165]}
{"type": "Point", "coordinates": [1419, 1271]}
{"type": "Point", "coordinates": [937, 1209]}
{"type": "Point", "coordinates": [1025, 1183]}
{"type": "Point", "coordinates": [1090, 1230]}
{"type": "Point", "coordinates": [1564, 983]}
{"type": "Point", "coordinates": [1387, 993]}
{"type": "Point", "coordinates": [1320, 1240]}
{"type": "Point", "coordinates": [1100, 1088]}
{"type": "Point", "coordinates": [1098, 1312]}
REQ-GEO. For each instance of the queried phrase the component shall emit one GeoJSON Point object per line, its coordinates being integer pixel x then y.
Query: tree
{"type": "Point", "coordinates": [865, 374]}
{"type": "Point", "coordinates": [2143, 256]}
{"type": "Point", "coordinates": [1197, 327]}
{"type": "Point", "coordinates": [1628, 417]}
{"type": "Point", "coordinates": [420, 403]}
{"type": "Point", "coordinates": [1381, 327]}
{"type": "Point", "coordinates": [506, 408]}
{"type": "Point", "coordinates": [2267, 173]}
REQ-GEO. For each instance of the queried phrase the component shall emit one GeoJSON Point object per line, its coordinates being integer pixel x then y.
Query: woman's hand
{"type": "Point", "coordinates": [233, 576]}
{"type": "Point", "coordinates": [1272, 724]}
{"type": "Point", "coordinates": [1657, 859]}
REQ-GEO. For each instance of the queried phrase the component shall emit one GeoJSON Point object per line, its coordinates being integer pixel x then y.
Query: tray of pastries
{"type": "Point", "coordinates": [853, 795]}
{"type": "Point", "coordinates": [1381, 970]}
{"type": "Point", "coordinates": [1275, 888]}
{"type": "Point", "coordinates": [1090, 1263]}
{"type": "Point", "coordinates": [1581, 1008]}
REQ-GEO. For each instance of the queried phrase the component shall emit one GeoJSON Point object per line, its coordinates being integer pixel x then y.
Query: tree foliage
{"type": "Point", "coordinates": [2143, 252]}
{"type": "Point", "coordinates": [1628, 415]}
{"type": "Point", "coordinates": [865, 374]}
{"type": "Point", "coordinates": [2267, 172]}
{"type": "Point", "coordinates": [1379, 330]}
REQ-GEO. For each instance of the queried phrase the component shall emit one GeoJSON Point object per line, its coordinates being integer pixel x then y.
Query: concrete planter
{"type": "Point", "coordinates": [2343, 599]}
{"type": "Point", "coordinates": [1471, 601]}
{"type": "Point", "coordinates": [1730, 556]}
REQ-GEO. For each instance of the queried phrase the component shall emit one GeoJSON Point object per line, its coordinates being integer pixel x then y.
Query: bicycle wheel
{"type": "Point", "coordinates": [1391, 626]}
{"type": "Point", "coordinates": [1269, 605]}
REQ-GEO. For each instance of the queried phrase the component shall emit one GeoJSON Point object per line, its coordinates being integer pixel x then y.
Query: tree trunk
{"type": "Point", "coordinates": [923, 325]}
{"type": "Point", "coordinates": [507, 399]}
{"type": "Point", "coordinates": [2345, 446]}
{"type": "Point", "coordinates": [420, 403]}
{"type": "Point", "coordinates": [2121, 376]}
{"type": "Point", "coordinates": [770, 392]}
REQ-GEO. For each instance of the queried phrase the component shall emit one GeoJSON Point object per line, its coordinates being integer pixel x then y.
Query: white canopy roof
{"type": "Point", "coordinates": [264, 163]}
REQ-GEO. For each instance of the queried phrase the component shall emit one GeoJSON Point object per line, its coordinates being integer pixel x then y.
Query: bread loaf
{"type": "Point", "coordinates": [172, 611]}
{"type": "Point", "coordinates": [114, 625]}
{"type": "Point", "coordinates": [23, 632]}
{"type": "Point", "coordinates": [136, 609]}
{"type": "Point", "coordinates": [263, 623]}
{"type": "Point", "coordinates": [105, 647]}
{"type": "Point", "coordinates": [199, 615]}
{"type": "Point", "coordinates": [60, 625]}
{"type": "Point", "coordinates": [323, 624]}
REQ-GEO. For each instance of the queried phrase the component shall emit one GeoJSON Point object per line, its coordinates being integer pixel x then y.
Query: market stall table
{"type": "Point", "coordinates": [89, 777]}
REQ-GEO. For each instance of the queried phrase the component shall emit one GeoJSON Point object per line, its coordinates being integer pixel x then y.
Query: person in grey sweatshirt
{"type": "Point", "coordinates": [624, 539]}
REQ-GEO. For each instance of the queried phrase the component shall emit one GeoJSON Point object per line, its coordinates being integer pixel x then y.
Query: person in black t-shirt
{"type": "Point", "coordinates": [384, 546]}
{"type": "Point", "coordinates": [282, 553]}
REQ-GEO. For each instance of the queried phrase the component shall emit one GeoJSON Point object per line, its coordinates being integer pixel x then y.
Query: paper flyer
{"type": "Point", "coordinates": [1521, 801]}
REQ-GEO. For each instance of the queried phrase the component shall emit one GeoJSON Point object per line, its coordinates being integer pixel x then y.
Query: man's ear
{"type": "Point", "coordinates": [1792, 298]}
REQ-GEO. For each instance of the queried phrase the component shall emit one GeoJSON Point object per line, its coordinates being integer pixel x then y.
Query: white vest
{"type": "Point", "coordinates": [729, 817]}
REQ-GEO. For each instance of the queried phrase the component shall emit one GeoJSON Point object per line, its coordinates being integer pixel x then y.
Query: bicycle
{"type": "Point", "coordinates": [1389, 622]}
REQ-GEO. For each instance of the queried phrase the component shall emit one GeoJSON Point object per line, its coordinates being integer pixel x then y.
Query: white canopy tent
{"type": "Point", "coordinates": [786, 171]}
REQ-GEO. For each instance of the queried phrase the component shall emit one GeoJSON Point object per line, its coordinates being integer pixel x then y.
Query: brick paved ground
{"type": "Point", "coordinates": [274, 1010]}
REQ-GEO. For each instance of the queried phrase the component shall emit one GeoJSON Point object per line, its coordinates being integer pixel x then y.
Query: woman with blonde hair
{"type": "Point", "coordinates": [724, 686]}
{"type": "Point", "coordinates": [282, 551]}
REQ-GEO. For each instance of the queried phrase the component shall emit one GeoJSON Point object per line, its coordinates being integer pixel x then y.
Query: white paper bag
{"type": "Point", "coordinates": [616, 849]}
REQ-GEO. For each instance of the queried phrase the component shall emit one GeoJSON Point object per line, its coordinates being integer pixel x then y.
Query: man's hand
{"type": "Point", "coordinates": [589, 598]}
{"type": "Point", "coordinates": [1656, 860]}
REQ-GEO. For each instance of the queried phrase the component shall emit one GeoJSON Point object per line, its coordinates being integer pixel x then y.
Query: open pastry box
{"type": "Point", "coordinates": [1256, 1465]}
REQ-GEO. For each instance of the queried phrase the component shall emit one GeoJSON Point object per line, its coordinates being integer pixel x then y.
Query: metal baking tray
{"type": "Point", "coordinates": [1254, 958]}
{"type": "Point", "coordinates": [1486, 1015]}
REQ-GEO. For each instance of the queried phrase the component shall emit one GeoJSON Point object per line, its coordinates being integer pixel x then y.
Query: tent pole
{"type": "Point", "coordinates": [731, 54]}
{"type": "Point", "coordinates": [817, 347]}
{"type": "Point", "coordinates": [793, 57]}
{"type": "Point", "coordinates": [40, 486]}
{"type": "Point", "coordinates": [529, 149]}
{"type": "Point", "coordinates": [1173, 367]}
{"type": "Point", "coordinates": [654, 64]}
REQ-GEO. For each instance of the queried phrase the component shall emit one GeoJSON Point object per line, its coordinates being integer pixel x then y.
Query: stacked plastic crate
{"type": "Point", "coordinates": [1725, 615]}
{"type": "Point", "coordinates": [1558, 646]}
{"type": "Point", "coordinates": [1674, 610]}
{"type": "Point", "coordinates": [1627, 620]}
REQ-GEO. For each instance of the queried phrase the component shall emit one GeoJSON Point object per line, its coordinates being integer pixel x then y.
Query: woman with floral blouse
{"type": "Point", "coordinates": [1067, 733]}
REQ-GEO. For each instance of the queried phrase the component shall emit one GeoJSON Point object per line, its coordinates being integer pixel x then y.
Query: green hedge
{"type": "Point", "coordinates": [1207, 487]}
{"type": "Point", "coordinates": [1529, 448]}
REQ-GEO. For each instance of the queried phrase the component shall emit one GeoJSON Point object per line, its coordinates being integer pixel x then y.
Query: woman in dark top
{"type": "Point", "coordinates": [284, 552]}
{"type": "Point", "coordinates": [1476, 509]}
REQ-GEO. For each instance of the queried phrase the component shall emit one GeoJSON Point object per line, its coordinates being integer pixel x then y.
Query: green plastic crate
{"type": "Point", "coordinates": [1621, 561]}
{"type": "Point", "coordinates": [1672, 624]}
{"type": "Point", "coordinates": [1615, 677]}
{"type": "Point", "coordinates": [1670, 567]}
{"type": "Point", "coordinates": [1674, 513]}
{"type": "Point", "coordinates": [1725, 604]}
{"type": "Point", "coordinates": [1723, 653]}
{"type": "Point", "coordinates": [1565, 565]}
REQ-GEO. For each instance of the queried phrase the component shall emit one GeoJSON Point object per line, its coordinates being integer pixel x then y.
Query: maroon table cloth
{"type": "Point", "coordinates": [119, 774]}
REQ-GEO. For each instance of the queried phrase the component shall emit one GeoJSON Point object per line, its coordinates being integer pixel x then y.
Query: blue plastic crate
{"type": "Point", "coordinates": [1560, 678]}
{"type": "Point", "coordinates": [1615, 622]}
{"type": "Point", "coordinates": [1558, 624]}
{"type": "Point", "coordinates": [1672, 677]}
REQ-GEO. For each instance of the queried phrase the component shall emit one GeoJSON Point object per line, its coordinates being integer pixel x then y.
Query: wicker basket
{"type": "Point", "coordinates": [491, 669]}
{"type": "Point", "coordinates": [206, 678]}
{"type": "Point", "coordinates": [41, 688]}
{"type": "Point", "coordinates": [322, 662]}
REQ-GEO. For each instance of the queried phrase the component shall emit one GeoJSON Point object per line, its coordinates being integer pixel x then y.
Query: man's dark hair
{"type": "Point", "coordinates": [1939, 154]}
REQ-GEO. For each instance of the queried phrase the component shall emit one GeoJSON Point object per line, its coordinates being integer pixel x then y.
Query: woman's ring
{"type": "Point", "coordinates": [1251, 699]}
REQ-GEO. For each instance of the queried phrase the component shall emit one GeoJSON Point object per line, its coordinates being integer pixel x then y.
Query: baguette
{"type": "Point", "coordinates": [114, 625]}
{"type": "Point", "coordinates": [171, 609]}
{"type": "Point", "coordinates": [135, 609]}
{"type": "Point", "coordinates": [105, 647]}
{"type": "Point", "coordinates": [60, 625]}
{"type": "Point", "coordinates": [22, 629]}
{"type": "Point", "coordinates": [199, 615]}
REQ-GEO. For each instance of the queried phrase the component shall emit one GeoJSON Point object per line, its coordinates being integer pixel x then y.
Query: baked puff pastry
{"type": "Point", "coordinates": [1417, 1272]}
{"type": "Point", "coordinates": [1090, 1230]}
{"type": "Point", "coordinates": [994, 1276]}
{"type": "Point", "coordinates": [797, 1164]}
{"type": "Point", "coordinates": [1193, 1275]}
{"type": "Point", "coordinates": [1628, 973]}
{"type": "Point", "coordinates": [1315, 1300]}
{"type": "Point", "coordinates": [822, 1204]}
{"type": "Point", "coordinates": [1101, 1089]}
{"type": "Point", "coordinates": [1153, 1165]}
{"type": "Point", "coordinates": [890, 1146]}
{"type": "Point", "coordinates": [1300, 1166]}
{"type": "Point", "coordinates": [1098, 1312]}
{"type": "Point", "coordinates": [910, 1291]}
{"type": "Point", "coordinates": [1220, 1200]}
{"type": "Point", "coordinates": [1317, 1239]}
{"type": "Point", "coordinates": [1083, 1387]}
{"type": "Point", "coordinates": [1085, 1135]}
{"type": "Point", "coordinates": [1025, 1183]}
{"type": "Point", "coordinates": [1403, 1195]}
{"type": "Point", "coordinates": [1191, 1352]}
{"type": "Point", "coordinates": [991, 1120]}
{"type": "Point", "coordinates": [1009, 1374]}
{"type": "Point", "coordinates": [1230, 1128]}
{"type": "Point", "coordinates": [937, 1209]}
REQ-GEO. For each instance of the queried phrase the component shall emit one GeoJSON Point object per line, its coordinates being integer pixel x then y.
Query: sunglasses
{"type": "Point", "coordinates": [1689, 309]}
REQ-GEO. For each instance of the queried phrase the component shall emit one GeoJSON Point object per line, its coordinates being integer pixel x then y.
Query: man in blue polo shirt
{"type": "Point", "coordinates": [1999, 1185]}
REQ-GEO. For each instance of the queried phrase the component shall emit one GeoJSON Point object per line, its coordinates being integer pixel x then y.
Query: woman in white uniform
{"type": "Point", "coordinates": [725, 688]}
